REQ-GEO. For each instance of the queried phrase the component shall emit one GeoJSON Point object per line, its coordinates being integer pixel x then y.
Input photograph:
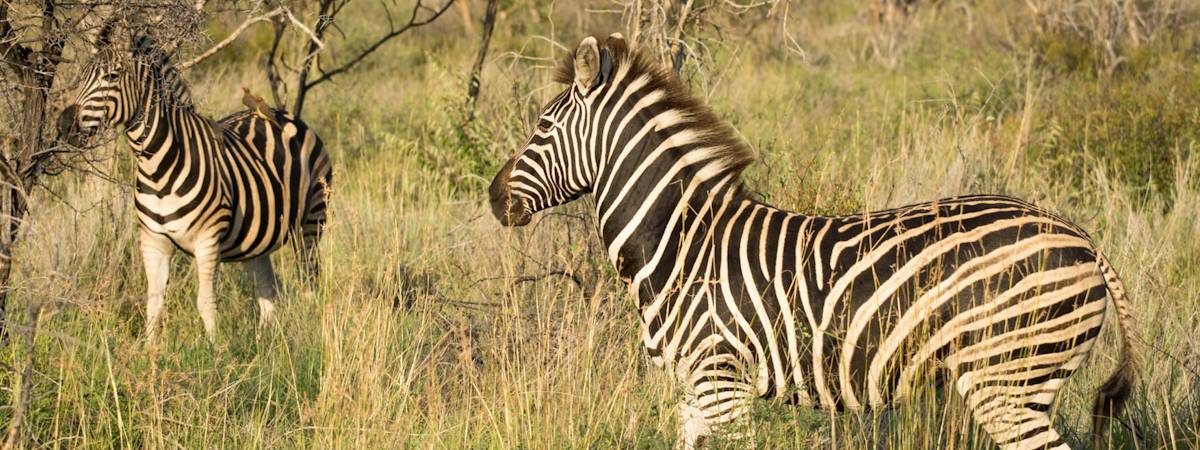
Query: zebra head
{"type": "Point", "coordinates": [560, 159]}
{"type": "Point", "coordinates": [117, 86]}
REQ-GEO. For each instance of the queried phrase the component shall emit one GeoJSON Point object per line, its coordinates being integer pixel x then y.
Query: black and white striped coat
{"type": "Point", "coordinates": [231, 190]}
{"type": "Point", "coordinates": [989, 294]}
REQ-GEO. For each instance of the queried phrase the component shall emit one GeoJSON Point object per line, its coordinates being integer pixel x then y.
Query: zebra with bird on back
{"type": "Point", "coordinates": [989, 295]}
{"type": "Point", "coordinates": [235, 189]}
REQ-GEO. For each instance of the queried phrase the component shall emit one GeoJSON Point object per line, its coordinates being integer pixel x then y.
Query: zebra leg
{"type": "Point", "coordinates": [693, 426]}
{"type": "Point", "coordinates": [266, 286]}
{"type": "Point", "coordinates": [207, 256]}
{"type": "Point", "coordinates": [1010, 388]}
{"type": "Point", "coordinates": [719, 397]}
{"type": "Point", "coordinates": [156, 257]}
{"type": "Point", "coordinates": [1016, 416]}
{"type": "Point", "coordinates": [310, 261]}
{"type": "Point", "coordinates": [312, 226]}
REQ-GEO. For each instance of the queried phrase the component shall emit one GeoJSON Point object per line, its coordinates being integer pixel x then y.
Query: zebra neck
{"type": "Point", "coordinates": [150, 125]}
{"type": "Point", "coordinates": [166, 141]}
{"type": "Point", "coordinates": [655, 206]}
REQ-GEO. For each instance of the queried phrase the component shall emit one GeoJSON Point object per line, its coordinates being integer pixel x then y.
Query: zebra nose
{"type": "Point", "coordinates": [70, 130]}
{"type": "Point", "coordinates": [509, 210]}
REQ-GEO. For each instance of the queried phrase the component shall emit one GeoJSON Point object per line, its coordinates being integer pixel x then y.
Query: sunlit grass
{"type": "Point", "coordinates": [434, 327]}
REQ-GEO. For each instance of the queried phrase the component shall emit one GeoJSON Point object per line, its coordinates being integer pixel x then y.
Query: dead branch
{"type": "Point", "coordinates": [414, 21]}
{"type": "Point", "coordinates": [489, 23]}
{"type": "Point", "coordinates": [32, 72]}
{"type": "Point", "coordinates": [329, 11]}
{"type": "Point", "coordinates": [521, 279]}
{"type": "Point", "coordinates": [672, 29]}
{"type": "Point", "coordinates": [677, 44]}
{"type": "Point", "coordinates": [324, 19]}
{"type": "Point", "coordinates": [273, 78]}
{"type": "Point", "coordinates": [557, 272]}
{"type": "Point", "coordinates": [231, 37]}
{"type": "Point", "coordinates": [282, 12]}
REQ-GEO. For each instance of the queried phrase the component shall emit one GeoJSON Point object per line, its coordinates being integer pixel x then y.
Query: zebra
{"type": "Point", "coordinates": [990, 295]}
{"type": "Point", "coordinates": [231, 190]}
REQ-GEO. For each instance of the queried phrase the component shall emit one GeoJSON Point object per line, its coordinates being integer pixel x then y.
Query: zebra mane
{"type": "Point", "coordinates": [732, 150]}
{"type": "Point", "coordinates": [173, 88]}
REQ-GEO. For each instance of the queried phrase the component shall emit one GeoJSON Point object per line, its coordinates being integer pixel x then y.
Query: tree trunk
{"type": "Point", "coordinates": [36, 71]}
{"type": "Point", "coordinates": [489, 23]}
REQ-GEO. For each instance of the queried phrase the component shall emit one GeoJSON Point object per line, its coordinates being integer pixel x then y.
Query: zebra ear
{"type": "Point", "coordinates": [587, 63]}
{"type": "Point", "coordinates": [145, 48]}
{"type": "Point", "coordinates": [140, 44]}
{"type": "Point", "coordinates": [104, 36]}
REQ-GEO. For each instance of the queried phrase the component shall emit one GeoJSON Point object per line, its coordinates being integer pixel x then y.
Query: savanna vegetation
{"type": "Point", "coordinates": [432, 326]}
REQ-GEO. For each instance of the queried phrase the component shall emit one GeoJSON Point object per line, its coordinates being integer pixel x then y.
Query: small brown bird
{"type": "Point", "coordinates": [256, 104]}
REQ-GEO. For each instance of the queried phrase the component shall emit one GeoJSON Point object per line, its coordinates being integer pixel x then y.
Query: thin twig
{"type": "Point", "coordinates": [280, 11]}
{"type": "Point", "coordinates": [489, 23]}
{"type": "Point", "coordinates": [557, 272]}
{"type": "Point", "coordinates": [413, 22]}
{"type": "Point", "coordinates": [678, 46]}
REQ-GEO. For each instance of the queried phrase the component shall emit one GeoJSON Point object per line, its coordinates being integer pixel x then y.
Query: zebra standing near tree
{"type": "Point", "coordinates": [1001, 299]}
{"type": "Point", "coordinates": [231, 190]}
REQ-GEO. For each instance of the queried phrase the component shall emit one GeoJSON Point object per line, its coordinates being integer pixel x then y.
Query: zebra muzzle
{"type": "Point", "coordinates": [68, 127]}
{"type": "Point", "coordinates": [511, 211]}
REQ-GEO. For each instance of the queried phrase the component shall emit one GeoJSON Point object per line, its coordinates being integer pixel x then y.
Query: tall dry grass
{"type": "Point", "coordinates": [434, 327]}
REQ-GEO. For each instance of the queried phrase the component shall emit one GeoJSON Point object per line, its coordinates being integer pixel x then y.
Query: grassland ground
{"type": "Point", "coordinates": [434, 327]}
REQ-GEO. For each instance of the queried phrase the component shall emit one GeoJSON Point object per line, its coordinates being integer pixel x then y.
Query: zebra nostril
{"type": "Point", "coordinates": [509, 210]}
{"type": "Point", "coordinates": [517, 215]}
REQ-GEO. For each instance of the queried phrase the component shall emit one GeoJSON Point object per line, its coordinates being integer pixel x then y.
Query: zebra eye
{"type": "Point", "coordinates": [111, 76]}
{"type": "Point", "coordinates": [544, 125]}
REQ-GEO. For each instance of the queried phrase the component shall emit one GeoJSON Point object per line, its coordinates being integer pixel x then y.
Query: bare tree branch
{"type": "Point", "coordinates": [413, 22]}
{"type": "Point", "coordinates": [552, 273]}
{"type": "Point", "coordinates": [277, 12]}
{"type": "Point", "coordinates": [34, 73]}
{"type": "Point", "coordinates": [489, 23]}
{"type": "Point", "coordinates": [677, 44]}
{"type": "Point", "coordinates": [325, 19]}
{"type": "Point", "coordinates": [273, 77]}
{"type": "Point", "coordinates": [231, 37]}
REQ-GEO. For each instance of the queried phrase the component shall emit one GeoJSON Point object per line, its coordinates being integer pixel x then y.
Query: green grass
{"type": "Point", "coordinates": [474, 358]}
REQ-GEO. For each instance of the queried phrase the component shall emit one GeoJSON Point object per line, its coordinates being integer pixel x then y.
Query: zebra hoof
{"type": "Point", "coordinates": [266, 312]}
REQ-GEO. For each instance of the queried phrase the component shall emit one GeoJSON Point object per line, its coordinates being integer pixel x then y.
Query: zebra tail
{"type": "Point", "coordinates": [1111, 397]}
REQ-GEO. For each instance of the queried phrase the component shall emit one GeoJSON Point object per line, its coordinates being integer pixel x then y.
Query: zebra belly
{"type": "Point", "coordinates": [264, 207]}
{"type": "Point", "coordinates": [1043, 323]}
{"type": "Point", "coordinates": [241, 233]}
{"type": "Point", "coordinates": [254, 232]}
{"type": "Point", "coordinates": [858, 311]}
{"type": "Point", "coordinates": [1036, 306]}
{"type": "Point", "coordinates": [170, 216]}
